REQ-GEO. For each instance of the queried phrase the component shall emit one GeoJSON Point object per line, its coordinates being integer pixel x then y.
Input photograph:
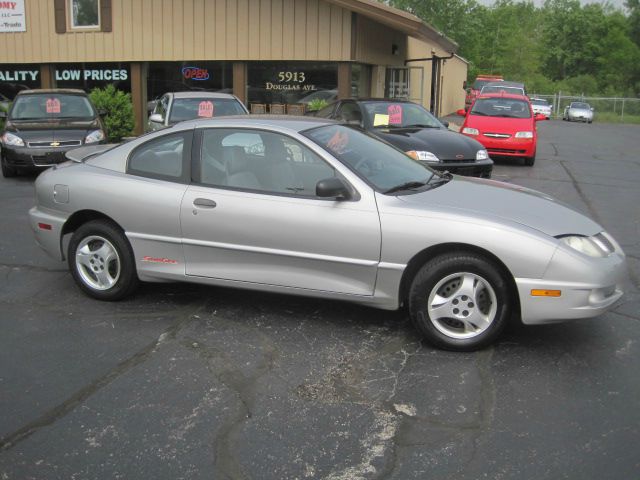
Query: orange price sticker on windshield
{"type": "Point", "coordinates": [395, 114]}
{"type": "Point", "coordinates": [53, 105]}
{"type": "Point", "coordinates": [205, 109]}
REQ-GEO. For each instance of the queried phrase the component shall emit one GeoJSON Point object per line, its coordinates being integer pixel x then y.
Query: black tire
{"type": "Point", "coordinates": [493, 304]}
{"type": "Point", "coordinates": [529, 161]}
{"type": "Point", "coordinates": [8, 171]}
{"type": "Point", "coordinates": [108, 270]}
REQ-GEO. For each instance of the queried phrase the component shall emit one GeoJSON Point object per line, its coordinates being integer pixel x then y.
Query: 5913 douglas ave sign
{"type": "Point", "coordinates": [12, 17]}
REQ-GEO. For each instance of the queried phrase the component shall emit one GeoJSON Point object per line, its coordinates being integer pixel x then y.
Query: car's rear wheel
{"type": "Point", "coordinates": [7, 171]}
{"type": "Point", "coordinates": [460, 301]}
{"type": "Point", "coordinates": [101, 261]}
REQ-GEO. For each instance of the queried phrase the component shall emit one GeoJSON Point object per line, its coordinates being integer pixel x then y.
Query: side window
{"type": "Point", "coordinates": [349, 112]}
{"type": "Point", "coordinates": [261, 161]}
{"type": "Point", "coordinates": [161, 157]}
{"type": "Point", "coordinates": [326, 112]}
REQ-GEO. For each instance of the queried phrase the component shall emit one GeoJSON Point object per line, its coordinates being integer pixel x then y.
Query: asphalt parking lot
{"type": "Point", "coordinates": [185, 381]}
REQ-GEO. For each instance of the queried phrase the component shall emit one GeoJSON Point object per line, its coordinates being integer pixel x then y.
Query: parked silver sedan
{"type": "Point", "coordinates": [310, 207]}
{"type": "Point", "coordinates": [174, 107]}
{"type": "Point", "coordinates": [578, 111]}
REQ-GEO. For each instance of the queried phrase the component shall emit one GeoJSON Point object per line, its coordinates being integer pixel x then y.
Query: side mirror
{"type": "Point", "coordinates": [592, 109]}
{"type": "Point", "coordinates": [102, 112]}
{"type": "Point", "coordinates": [539, 116]}
{"type": "Point", "coordinates": [444, 122]}
{"type": "Point", "coordinates": [464, 85]}
{"type": "Point", "coordinates": [461, 112]}
{"type": "Point", "coordinates": [156, 118]}
{"type": "Point", "coordinates": [333, 188]}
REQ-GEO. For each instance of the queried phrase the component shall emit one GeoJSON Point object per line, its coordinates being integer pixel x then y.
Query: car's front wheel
{"type": "Point", "coordinates": [7, 171]}
{"type": "Point", "coordinates": [101, 261]}
{"type": "Point", "coordinates": [460, 301]}
{"type": "Point", "coordinates": [529, 161]}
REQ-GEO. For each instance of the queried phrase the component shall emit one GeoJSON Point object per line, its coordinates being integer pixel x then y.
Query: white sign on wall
{"type": "Point", "coordinates": [12, 17]}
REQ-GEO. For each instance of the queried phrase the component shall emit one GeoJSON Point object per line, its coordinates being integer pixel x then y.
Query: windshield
{"type": "Point", "coordinates": [580, 105]}
{"type": "Point", "coordinates": [501, 107]}
{"type": "Point", "coordinates": [51, 105]}
{"type": "Point", "coordinates": [191, 108]}
{"type": "Point", "coordinates": [399, 114]}
{"type": "Point", "coordinates": [380, 164]}
{"type": "Point", "coordinates": [478, 84]}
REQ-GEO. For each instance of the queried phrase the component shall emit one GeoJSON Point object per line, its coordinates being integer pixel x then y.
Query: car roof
{"type": "Point", "coordinates": [511, 96]}
{"type": "Point", "coordinates": [291, 123]}
{"type": "Point", "coordinates": [200, 94]}
{"type": "Point", "coordinates": [70, 91]}
{"type": "Point", "coordinates": [504, 83]}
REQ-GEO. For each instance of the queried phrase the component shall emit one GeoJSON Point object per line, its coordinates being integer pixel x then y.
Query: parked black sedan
{"type": "Point", "coordinates": [42, 125]}
{"type": "Point", "coordinates": [414, 130]}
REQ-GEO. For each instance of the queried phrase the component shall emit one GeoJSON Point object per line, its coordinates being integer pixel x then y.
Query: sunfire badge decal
{"type": "Point", "coordinates": [159, 260]}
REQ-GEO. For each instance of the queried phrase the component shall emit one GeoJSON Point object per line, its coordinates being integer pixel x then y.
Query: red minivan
{"type": "Point", "coordinates": [504, 124]}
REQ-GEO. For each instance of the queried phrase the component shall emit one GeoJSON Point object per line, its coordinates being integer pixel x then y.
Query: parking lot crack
{"type": "Point", "coordinates": [80, 396]}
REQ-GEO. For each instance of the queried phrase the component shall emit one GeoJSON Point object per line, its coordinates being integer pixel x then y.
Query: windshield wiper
{"type": "Point", "coordinates": [407, 186]}
{"type": "Point", "coordinates": [482, 114]}
{"type": "Point", "coordinates": [420, 125]}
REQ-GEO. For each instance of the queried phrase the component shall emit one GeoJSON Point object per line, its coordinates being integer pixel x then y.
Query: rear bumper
{"type": "Point", "coordinates": [47, 228]}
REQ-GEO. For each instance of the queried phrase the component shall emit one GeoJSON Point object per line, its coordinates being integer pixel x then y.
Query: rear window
{"type": "Point", "coordinates": [52, 105]}
{"type": "Point", "coordinates": [191, 108]}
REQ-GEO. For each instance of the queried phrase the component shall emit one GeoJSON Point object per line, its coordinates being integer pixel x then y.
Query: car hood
{"type": "Point", "coordinates": [444, 143]}
{"type": "Point", "coordinates": [46, 130]}
{"type": "Point", "coordinates": [580, 110]}
{"type": "Point", "coordinates": [500, 124]}
{"type": "Point", "coordinates": [489, 198]}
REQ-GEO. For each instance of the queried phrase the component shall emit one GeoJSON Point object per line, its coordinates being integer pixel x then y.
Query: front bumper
{"type": "Point", "coordinates": [508, 147]}
{"type": "Point", "coordinates": [599, 287]}
{"type": "Point", "coordinates": [48, 238]}
{"type": "Point", "coordinates": [33, 158]}
{"type": "Point", "coordinates": [480, 168]}
{"type": "Point", "coordinates": [579, 117]}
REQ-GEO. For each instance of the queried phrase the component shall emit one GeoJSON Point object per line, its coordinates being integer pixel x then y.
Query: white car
{"type": "Point", "coordinates": [540, 105]}
{"type": "Point", "coordinates": [578, 111]}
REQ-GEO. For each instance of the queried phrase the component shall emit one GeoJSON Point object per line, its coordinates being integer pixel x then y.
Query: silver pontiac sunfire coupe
{"type": "Point", "coordinates": [312, 207]}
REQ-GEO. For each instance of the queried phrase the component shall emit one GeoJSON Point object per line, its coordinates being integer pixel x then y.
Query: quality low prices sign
{"type": "Point", "coordinates": [12, 17]}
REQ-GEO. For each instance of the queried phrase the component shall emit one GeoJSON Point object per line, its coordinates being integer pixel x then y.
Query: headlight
{"type": "Point", "coordinates": [12, 140]}
{"type": "Point", "coordinates": [524, 135]}
{"type": "Point", "coordinates": [421, 155]}
{"type": "Point", "coordinates": [482, 155]}
{"type": "Point", "coordinates": [592, 246]}
{"type": "Point", "coordinates": [95, 136]}
{"type": "Point", "coordinates": [470, 131]}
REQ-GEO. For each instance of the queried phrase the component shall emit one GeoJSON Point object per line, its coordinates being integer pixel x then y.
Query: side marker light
{"type": "Point", "coordinates": [545, 293]}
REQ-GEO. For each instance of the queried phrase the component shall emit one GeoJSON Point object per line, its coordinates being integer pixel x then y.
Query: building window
{"type": "Point", "coordinates": [84, 14]}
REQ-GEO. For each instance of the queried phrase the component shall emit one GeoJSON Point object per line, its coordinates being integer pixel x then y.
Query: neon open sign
{"type": "Point", "coordinates": [195, 73]}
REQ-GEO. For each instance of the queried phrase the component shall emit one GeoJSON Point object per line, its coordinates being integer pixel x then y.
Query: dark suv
{"type": "Point", "coordinates": [42, 125]}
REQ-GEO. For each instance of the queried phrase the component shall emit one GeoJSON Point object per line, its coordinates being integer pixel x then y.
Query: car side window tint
{"type": "Point", "coordinates": [349, 112]}
{"type": "Point", "coordinates": [326, 112]}
{"type": "Point", "coordinates": [160, 157]}
{"type": "Point", "coordinates": [260, 161]}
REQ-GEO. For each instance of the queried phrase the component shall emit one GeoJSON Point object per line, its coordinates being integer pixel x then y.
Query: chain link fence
{"type": "Point", "coordinates": [613, 109]}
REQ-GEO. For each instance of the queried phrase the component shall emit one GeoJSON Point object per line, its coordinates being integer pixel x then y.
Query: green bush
{"type": "Point", "coordinates": [119, 119]}
{"type": "Point", "coordinates": [316, 104]}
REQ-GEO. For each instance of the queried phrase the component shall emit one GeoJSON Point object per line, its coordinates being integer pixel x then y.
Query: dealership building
{"type": "Point", "coordinates": [272, 54]}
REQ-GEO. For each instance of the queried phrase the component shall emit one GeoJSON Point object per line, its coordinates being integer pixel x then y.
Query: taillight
{"type": "Point", "coordinates": [44, 226]}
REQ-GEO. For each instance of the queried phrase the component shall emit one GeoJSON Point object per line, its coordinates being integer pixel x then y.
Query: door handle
{"type": "Point", "coordinates": [204, 203]}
